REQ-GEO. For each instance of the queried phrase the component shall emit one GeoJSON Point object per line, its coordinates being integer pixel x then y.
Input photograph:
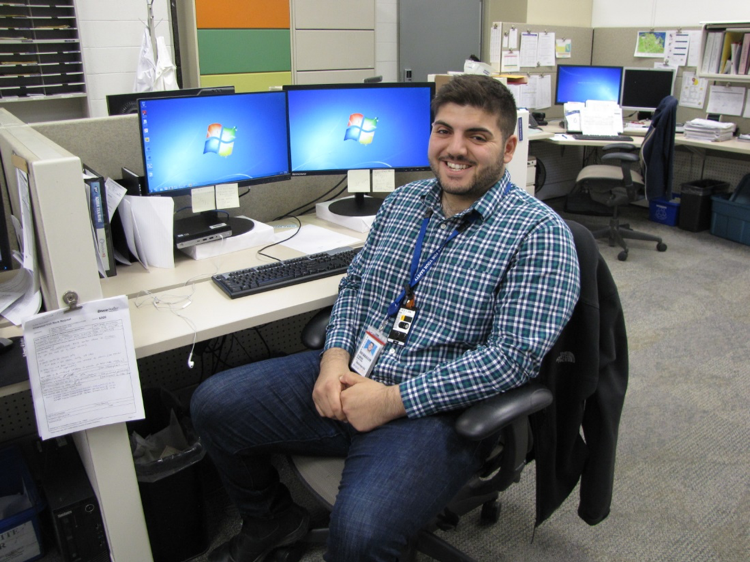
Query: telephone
{"type": "Point", "coordinates": [538, 117]}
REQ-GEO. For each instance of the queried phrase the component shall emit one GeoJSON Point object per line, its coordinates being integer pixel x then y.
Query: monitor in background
{"type": "Point", "coordinates": [123, 104]}
{"type": "Point", "coordinates": [373, 126]}
{"type": "Point", "coordinates": [644, 88]}
{"type": "Point", "coordinates": [577, 83]}
{"type": "Point", "coordinates": [190, 142]}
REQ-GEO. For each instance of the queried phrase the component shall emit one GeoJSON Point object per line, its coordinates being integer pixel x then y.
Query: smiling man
{"type": "Point", "coordinates": [467, 281]}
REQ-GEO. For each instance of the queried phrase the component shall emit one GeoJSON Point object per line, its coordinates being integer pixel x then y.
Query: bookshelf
{"type": "Point", "coordinates": [40, 52]}
{"type": "Point", "coordinates": [717, 52]}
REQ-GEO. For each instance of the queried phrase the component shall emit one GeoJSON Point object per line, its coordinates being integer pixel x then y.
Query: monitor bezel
{"type": "Point", "coordinates": [557, 80]}
{"type": "Point", "coordinates": [359, 86]}
{"type": "Point", "coordinates": [244, 183]}
{"type": "Point", "coordinates": [121, 104]}
{"type": "Point", "coordinates": [625, 70]}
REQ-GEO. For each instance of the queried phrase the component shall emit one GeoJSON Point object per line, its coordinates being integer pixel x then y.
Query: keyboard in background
{"type": "Point", "coordinates": [244, 282]}
{"type": "Point", "coordinates": [616, 138]}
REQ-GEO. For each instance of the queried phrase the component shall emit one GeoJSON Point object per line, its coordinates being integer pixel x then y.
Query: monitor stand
{"type": "Point", "coordinates": [357, 206]}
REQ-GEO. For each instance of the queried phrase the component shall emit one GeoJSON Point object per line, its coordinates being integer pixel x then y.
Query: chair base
{"type": "Point", "coordinates": [617, 233]}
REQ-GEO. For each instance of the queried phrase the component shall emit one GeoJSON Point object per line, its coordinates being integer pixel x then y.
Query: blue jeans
{"type": "Point", "coordinates": [396, 478]}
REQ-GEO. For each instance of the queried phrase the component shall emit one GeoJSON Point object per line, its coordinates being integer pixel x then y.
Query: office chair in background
{"type": "Point", "coordinates": [521, 419]}
{"type": "Point", "coordinates": [619, 184]}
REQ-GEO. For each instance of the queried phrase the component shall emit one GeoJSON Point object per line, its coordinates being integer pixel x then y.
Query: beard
{"type": "Point", "coordinates": [474, 187]}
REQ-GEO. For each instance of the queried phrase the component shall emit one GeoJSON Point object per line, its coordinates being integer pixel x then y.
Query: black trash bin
{"type": "Point", "coordinates": [695, 203]}
{"type": "Point", "coordinates": [170, 487]}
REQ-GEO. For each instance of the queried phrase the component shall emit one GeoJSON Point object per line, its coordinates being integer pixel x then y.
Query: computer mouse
{"type": "Point", "coordinates": [5, 345]}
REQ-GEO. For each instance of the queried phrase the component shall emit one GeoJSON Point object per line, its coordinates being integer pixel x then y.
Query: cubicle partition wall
{"type": "Point", "coordinates": [67, 262]}
{"type": "Point", "coordinates": [616, 47]}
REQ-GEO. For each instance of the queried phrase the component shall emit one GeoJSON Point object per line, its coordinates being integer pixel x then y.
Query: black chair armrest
{"type": "Point", "coordinates": [314, 332]}
{"type": "Point", "coordinates": [620, 156]}
{"type": "Point", "coordinates": [488, 417]}
{"type": "Point", "coordinates": [621, 146]}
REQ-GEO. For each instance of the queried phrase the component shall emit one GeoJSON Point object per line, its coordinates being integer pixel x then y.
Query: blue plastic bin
{"type": "Point", "coordinates": [20, 538]}
{"type": "Point", "coordinates": [663, 211]}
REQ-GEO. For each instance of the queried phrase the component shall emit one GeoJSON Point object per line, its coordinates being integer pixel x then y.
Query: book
{"type": "Point", "coordinates": [103, 242]}
{"type": "Point", "coordinates": [744, 65]}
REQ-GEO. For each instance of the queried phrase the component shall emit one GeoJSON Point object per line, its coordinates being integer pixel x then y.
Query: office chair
{"type": "Point", "coordinates": [619, 184]}
{"type": "Point", "coordinates": [509, 416]}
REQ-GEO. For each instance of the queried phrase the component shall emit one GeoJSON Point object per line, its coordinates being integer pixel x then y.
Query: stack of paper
{"type": "Point", "coordinates": [708, 130]}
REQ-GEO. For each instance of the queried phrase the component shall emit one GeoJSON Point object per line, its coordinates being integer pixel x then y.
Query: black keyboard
{"type": "Point", "coordinates": [271, 276]}
{"type": "Point", "coordinates": [616, 138]}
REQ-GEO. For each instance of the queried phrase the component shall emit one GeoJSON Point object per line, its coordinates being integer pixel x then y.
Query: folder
{"type": "Point", "coordinates": [100, 220]}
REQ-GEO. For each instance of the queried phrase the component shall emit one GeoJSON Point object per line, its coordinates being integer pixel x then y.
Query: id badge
{"type": "Point", "coordinates": [402, 326]}
{"type": "Point", "coordinates": [368, 352]}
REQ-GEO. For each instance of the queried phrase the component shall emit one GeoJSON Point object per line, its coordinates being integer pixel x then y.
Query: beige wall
{"type": "Point", "coordinates": [571, 12]}
{"type": "Point", "coordinates": [540, 12]}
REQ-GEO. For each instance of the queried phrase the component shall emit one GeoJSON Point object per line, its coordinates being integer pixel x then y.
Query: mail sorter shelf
{"type": "Point", "coordinates": [40, 53]}
{"type": "Point", "coordinates": [714, 50]}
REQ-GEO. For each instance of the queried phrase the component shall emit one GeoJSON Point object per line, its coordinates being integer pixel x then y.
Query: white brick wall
{"type": "Point", "coordinates": [110, 32]}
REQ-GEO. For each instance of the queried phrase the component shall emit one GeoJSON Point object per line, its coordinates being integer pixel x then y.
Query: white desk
{"type": "Point", "coordinates": [157, 330]}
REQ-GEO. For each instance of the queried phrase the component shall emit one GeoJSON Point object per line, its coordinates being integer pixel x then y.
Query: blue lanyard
{"type": "Point", "coordinates": [416, 273]}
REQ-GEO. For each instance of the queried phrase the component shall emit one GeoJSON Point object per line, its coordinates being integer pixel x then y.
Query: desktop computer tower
{"type": "Point", "coordinates": [76, 517]}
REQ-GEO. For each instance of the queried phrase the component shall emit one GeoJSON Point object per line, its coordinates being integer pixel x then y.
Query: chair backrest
{"type": "Point", "coordinates": [657, 150]}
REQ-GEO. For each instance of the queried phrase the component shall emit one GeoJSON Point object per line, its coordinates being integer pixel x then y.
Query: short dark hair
{"type": "Point", "coordinates": [481, 92]}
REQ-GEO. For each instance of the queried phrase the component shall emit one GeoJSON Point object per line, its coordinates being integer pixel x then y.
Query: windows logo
{"type": "Point", "coordinates": [220, 139]}
{"type": "Point", "coordinates": [360, 129]}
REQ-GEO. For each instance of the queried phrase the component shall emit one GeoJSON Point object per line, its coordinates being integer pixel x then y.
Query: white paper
{"type": "Point", "coordinates": [227, 196]}
{"type": "Point", "coordinates": [132, 236]}
{"type": "Point", "coordinates": [115, 193]}
{"type": "Point", "coordinates": [20, 297]}
{"type": "Point", "coordinates": [510, 62]}
{"type": "Point", "coordinates": [543, 91]}
{"type": "Point", "coordinates": [695, 46]}
{"type": "Point", "coordinates": [313, 239]}
{"type": "Point", "coordinates": [358, 181]}
{"type": "Point", "coordinates": [601, 118]}
{"type": "Point", "coordinates": [693, 90]}
{"type": "Point", "coordinates": [678, 46]}
{"type": "Point", "coordinates": [529, 44]}
{"type": "Point", "coordinates": [563, 48]}
{"type": "Point", "coordinates": [726, 100]}
{"type": "Point", "coordinates": [154, 221]}
{"type": "Point", "coordinates": [203, 199]}
{"type": "Point", "coordinates": [496, 44]}
{"type": "Point", "coordinates": [82, 367]}
{"type": "Point", "coordinates": [747, 105]}
{"type": "Point", "coordinates": [512, 39]}
{"type": "Point", "coordinates": [383, 181]}
{"type": "Point", "coordinates": [546, 49]}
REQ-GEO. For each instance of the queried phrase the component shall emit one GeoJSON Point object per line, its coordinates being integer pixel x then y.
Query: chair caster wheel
{"type": "Point", "coordinates": [291, 553]}
{"type": "Point", "coordinates": [661, 247]}
{"type": "Point", "coordinates": [490, 512]}
{"type": "Point", "coordinates": [622, 256]}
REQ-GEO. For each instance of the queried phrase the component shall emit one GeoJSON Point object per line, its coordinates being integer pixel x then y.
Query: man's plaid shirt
{"type": "Point", "coordinates": [488, 310]}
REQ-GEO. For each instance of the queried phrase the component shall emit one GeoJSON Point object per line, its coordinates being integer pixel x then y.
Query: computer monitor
{"type": "Point", "coordinates": [124, 104]}
{"type": "Point", "coordinates": [335, 128]}
{"type": "Point", "coordinates": [644, 88]}
{"type": "Point", "coordinates": [578, 83]}
{"type": "Point", "coordinates": [190, 142]}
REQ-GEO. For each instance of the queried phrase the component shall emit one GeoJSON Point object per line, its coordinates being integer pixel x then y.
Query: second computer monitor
{"type": "Point", "coordinates": [336, 128]}
{"type": "Point", "coordinates": [578, 83]}
{"type": "Point", "coordinates": [644, 88]}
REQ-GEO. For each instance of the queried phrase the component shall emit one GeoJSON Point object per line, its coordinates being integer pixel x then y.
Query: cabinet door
{"type": "Point", "coordinates": [334, 14]}
{"type": "Point", "coordinates": [334, 49]}
{"type": "Point", "coordinates": [436, 36]}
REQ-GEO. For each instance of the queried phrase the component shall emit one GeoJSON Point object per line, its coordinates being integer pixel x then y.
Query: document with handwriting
{"type": "Point", "coordinates": [82, 367]}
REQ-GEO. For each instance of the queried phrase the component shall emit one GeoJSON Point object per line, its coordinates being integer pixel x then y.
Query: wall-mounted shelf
{"type": "Point", "coordinates": [40, 53]}
{"type": "Point", "coordinates": [716, 50]}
